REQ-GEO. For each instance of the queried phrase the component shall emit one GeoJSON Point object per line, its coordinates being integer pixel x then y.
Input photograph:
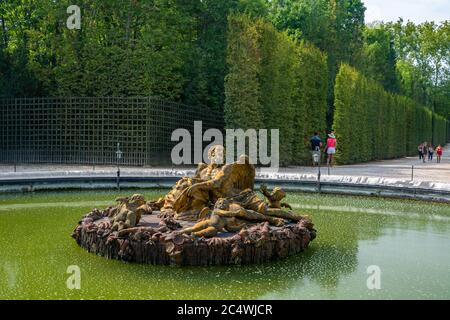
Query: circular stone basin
{"type": "Point", "coordinates": [157, 241]}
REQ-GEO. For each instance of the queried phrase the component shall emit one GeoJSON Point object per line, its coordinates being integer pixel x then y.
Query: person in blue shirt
{"type": "Point", "coordinates": [316, 144]}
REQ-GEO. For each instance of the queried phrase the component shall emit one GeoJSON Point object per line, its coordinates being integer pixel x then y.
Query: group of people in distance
{"type": "Point", "coordinates": [330, 148]}
{"type": "Point", "coordinates": [425, 149]}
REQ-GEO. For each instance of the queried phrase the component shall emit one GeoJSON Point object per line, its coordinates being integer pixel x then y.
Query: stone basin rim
{"type": "Point", "coordinates": [252, 245]}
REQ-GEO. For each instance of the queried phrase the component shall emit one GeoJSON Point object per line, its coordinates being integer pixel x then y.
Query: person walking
{"type": "Point", "coordinates": [438, 153]}
{"type": "Point", "coordinates": [331, 148]}
{"type": "Point", "coordinates": [424, 151]}
{"type": "Point", "coordinates": [430, 152]}
{"type": "Point", "coordinates": [316, 144]}
{"type": "Point", "coordinates": [420, 150]}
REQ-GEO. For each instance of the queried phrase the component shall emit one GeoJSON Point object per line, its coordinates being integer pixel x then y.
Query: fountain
{"type": "Point", "coordinates": [213, 218]}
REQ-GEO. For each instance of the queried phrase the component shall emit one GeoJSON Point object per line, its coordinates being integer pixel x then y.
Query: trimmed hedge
{"type": "Point", "coordinates": [275, 82]}
{"type": "Point", "coordinates": [371, 123]}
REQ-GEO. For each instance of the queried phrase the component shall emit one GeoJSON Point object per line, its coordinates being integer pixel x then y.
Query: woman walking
{"type": "Point", "coordinates": [438, 153]}
{"type": "Point", "coordinates": [331, 148]}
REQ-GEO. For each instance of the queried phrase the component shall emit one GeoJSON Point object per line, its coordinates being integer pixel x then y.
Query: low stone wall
{"type": "Point", "coordinates": [423, 192]}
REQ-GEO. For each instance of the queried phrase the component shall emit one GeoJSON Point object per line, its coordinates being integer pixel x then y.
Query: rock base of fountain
{"type": "Point", "coordinates": [156, 240]}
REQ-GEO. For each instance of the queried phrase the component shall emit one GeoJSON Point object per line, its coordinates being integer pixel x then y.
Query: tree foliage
{"type": "Point", "coordinates": [264, 63]}
{"type": "Point", "coordinates": [380, 57]}
{"type": "Point", "coordinates": [423, 62]}
{"type": "Point", "coordinates": [334, 26]}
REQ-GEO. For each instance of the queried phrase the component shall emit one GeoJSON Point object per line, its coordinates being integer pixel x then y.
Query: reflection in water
{"type": "Point", "coordinates": [332, 267]}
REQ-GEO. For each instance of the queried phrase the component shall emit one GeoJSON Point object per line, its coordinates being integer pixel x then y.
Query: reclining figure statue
{"type": "Point", "coordinates": [233, 213]}
{"type": "Point", "coordinates": [220, 197]}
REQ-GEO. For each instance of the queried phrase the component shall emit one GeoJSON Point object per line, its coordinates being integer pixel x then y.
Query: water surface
{"type": "Point", "coordinates": [408, 241]}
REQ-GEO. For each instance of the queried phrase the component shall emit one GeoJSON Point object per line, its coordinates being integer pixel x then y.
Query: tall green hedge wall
{"type": "Point", "coordinates": [371, 123]}
{"type": "Point", "coordinates": [275, 82]}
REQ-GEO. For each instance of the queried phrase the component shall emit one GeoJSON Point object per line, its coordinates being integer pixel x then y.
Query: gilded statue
{"type": "Point", "coordinates": [128, 212]}
{"type": "Point", "coordinates": [228, 180]}
{"type": "Point", "coordinates": [233, 213]}
{"type": "Point", "coordinates": [219, 197]}
{"type": "Point", "coordinates": [203, 173]}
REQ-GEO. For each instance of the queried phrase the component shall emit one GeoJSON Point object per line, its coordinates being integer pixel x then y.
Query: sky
{"type": "Point", "coordinates": [417, 11]}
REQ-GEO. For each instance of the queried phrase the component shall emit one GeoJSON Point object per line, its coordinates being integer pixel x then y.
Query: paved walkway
{"type": "Point", "coordinates": [390, 169]}
{"type": "Point", "coordinates": [401, 168]}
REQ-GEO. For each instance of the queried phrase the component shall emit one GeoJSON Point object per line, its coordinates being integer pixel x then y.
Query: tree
{"type": "Point", "coordinates": [275, 83]}
{"type": "Point", "coordinates": [335, 26]}
{"type": "Point", "coordinates": [423, 61]}
{"type": "Point", "coordinates": [310, 99]}
{"type": "Point", "coordinates": [206, 65]}
{"type": "Point", "coordinates": [380, 57]}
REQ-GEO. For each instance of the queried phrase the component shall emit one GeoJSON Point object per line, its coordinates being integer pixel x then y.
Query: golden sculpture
{"type": "Point", "coordinates": [128, 212]}
{"type": "Point", "coordinates": [191, 195]}
{"type": "Point", "coordinates": [227, 216]}
{"type": "Point", "coordinates": [170, 204]}
{"type": "Point", "coordinates": [228, 180]}
{"type": "Point", "coordinates": [218, 198]}
{"type": "Point", "coordinates": [275, 197]}
{"type": "Point", "coordinates": [233, 213]}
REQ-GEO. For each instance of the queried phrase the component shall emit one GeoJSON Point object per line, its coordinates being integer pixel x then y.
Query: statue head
{"type": "Point", "coordinates": [136, 200]}
{"type": "Point", "coordinates": [222, 204]}
{"type": "Point", "coordinates": [216, 154]}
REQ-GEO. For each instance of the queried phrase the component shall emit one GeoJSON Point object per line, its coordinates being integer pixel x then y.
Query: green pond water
{"type": "Point", "coordinates": [408, 241]}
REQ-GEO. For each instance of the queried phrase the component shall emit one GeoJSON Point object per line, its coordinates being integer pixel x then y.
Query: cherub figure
{"type": "Point", "coordinates": [275, 197]}
{"type": "Point", "coordinates": [129, 211]}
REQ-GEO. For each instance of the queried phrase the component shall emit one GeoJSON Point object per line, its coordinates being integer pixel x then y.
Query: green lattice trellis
{"type": "Point", "coordinates": [86, 130]}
